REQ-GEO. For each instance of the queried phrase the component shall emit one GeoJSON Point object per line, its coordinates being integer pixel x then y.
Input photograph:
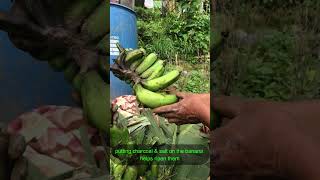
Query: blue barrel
{"type": "Point", "coordinates": [123, 29]}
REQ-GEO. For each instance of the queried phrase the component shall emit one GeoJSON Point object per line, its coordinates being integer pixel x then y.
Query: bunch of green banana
{"type": "Point", "coordinates": [95, 95]}
{"type": "Point", "coordinates": [72, 36]}
{"type": "Point", "coordinates": [146, 74]}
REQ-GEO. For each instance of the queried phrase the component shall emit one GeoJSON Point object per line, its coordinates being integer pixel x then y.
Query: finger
{"type": "Point", "coordinates": [227, 106]}
{"type": "Point", "coordinates": [177, 121]}
{"type": "Point", "coordinates": [166, 109]}
{"type": "Point", "coordinates": [170, 115]}
{"type": "Point", "coordinates": [180, 121]}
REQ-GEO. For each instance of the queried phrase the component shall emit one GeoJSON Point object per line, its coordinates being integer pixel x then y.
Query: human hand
{"type": "Point", "coordinates": [264, 139]}
{"type": "Point", "coordinates": [191, 108]}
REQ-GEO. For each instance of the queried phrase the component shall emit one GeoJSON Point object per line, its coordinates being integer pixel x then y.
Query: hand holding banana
{"type": "Point", "coordinates": [146, 74]}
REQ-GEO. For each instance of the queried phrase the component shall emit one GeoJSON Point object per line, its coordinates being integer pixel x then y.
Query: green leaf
{"type": "Point", "coordinates": [311, 74]}
{"type": "Point", "coordinates": [154, 128]}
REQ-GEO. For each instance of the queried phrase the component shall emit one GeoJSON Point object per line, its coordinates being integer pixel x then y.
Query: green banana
{"type": "Point", "coordinates": [104, 44]}
{"type": "Point", "coordinates": [77, 82]}
{"type": "Point", "coordinates": [154, 170]}
{"type": "Point", "coordinates": [156, 73]}
{"type": "Point", "coordinates": [114, 162]}
{"type": "Point", "coordinates": [95, 98]}
{"type": "Point", "coordinates": [152, 99]}
{"type": "Point", "coordinates": [157, 65]}
{"type": "Point", "coordinates": [58, 63]}
{"type": "Point", "coordinates": [131, 173]}
{"type": "Point", "coordinates": [146, 63]}
{"type": "Point", "coordinates": [118, 171]}
{"type": "Point", "coordinates": [71, 71]}
{"type": "Point", "coordinates": [104, 69]}
{"type": "Point", "coordinates": [78, 11]}
{"type": "Point", "coordinates": [135, 64]}
{"type": "Point", "coordinates": [96, 24]}
{"type": "Point", "coordinates": [148, 175]}
{"type": "Point", "coordinates": [142, 168]}
{"type": "Point", "coordinates": [162, 82]}
{"type": "Point", "coordinates": [134, 55]}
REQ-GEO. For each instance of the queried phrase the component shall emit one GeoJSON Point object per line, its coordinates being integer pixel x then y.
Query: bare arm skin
{"type": "Point", "coordinates": [265, 139]}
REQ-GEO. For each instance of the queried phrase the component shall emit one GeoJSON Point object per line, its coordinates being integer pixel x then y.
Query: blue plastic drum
{"type": "Point", "coordinates": [123, 29]}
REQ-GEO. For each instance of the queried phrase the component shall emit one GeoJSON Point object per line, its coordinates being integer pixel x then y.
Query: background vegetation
{"type": "Point", "coordinates": [180, 34]}
{"type": "Point", "coordinates": [273, 49]}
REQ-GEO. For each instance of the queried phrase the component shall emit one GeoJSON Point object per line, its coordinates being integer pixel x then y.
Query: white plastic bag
{"type": "Point", "coordinates": [148, 4]}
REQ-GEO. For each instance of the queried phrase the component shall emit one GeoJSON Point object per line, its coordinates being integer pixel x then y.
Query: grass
{"type": "Point", "coordinates": [193, 79]}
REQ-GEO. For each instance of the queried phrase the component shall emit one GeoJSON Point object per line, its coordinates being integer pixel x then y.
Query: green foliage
{"type": "Point", "coordinates": [278, 67]}
{"type": "Point", "coordinates": [196, 83]}
{"type": "Point", "coordinates": [180, 38]}
{"type": "Point", "coordinates": [271, 3]}
{"type": "Point", "coordinates": [273, 49]}
{"type": "Point", "coordinates": [185, 36]}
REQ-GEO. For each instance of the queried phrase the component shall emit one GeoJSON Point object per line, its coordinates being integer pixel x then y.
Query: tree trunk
{"type": "Point", "coordinates": [168, 6]}
{"type": "Point", "coordinates": [171, 5]}
{"type": "Point", "coordinates": [164, 8]}
{"type": "Point", "coordinates": [212, 13]}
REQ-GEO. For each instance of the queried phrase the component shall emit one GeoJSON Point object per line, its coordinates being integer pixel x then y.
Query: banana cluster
{"type": "Point", "coordinates": [146, 73]}
{"type": "Point", "coordinates": [92, 87]}
{"type": "Point", "coordinates": [89, 77]}
{"type": "Point", "coordinates": [73, 37]}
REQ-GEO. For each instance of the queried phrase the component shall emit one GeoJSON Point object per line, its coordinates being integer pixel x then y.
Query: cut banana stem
{"type": "Point", "coordinates": [162, 82]}
{"type": "Point", "coordinates": [152, 99]}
